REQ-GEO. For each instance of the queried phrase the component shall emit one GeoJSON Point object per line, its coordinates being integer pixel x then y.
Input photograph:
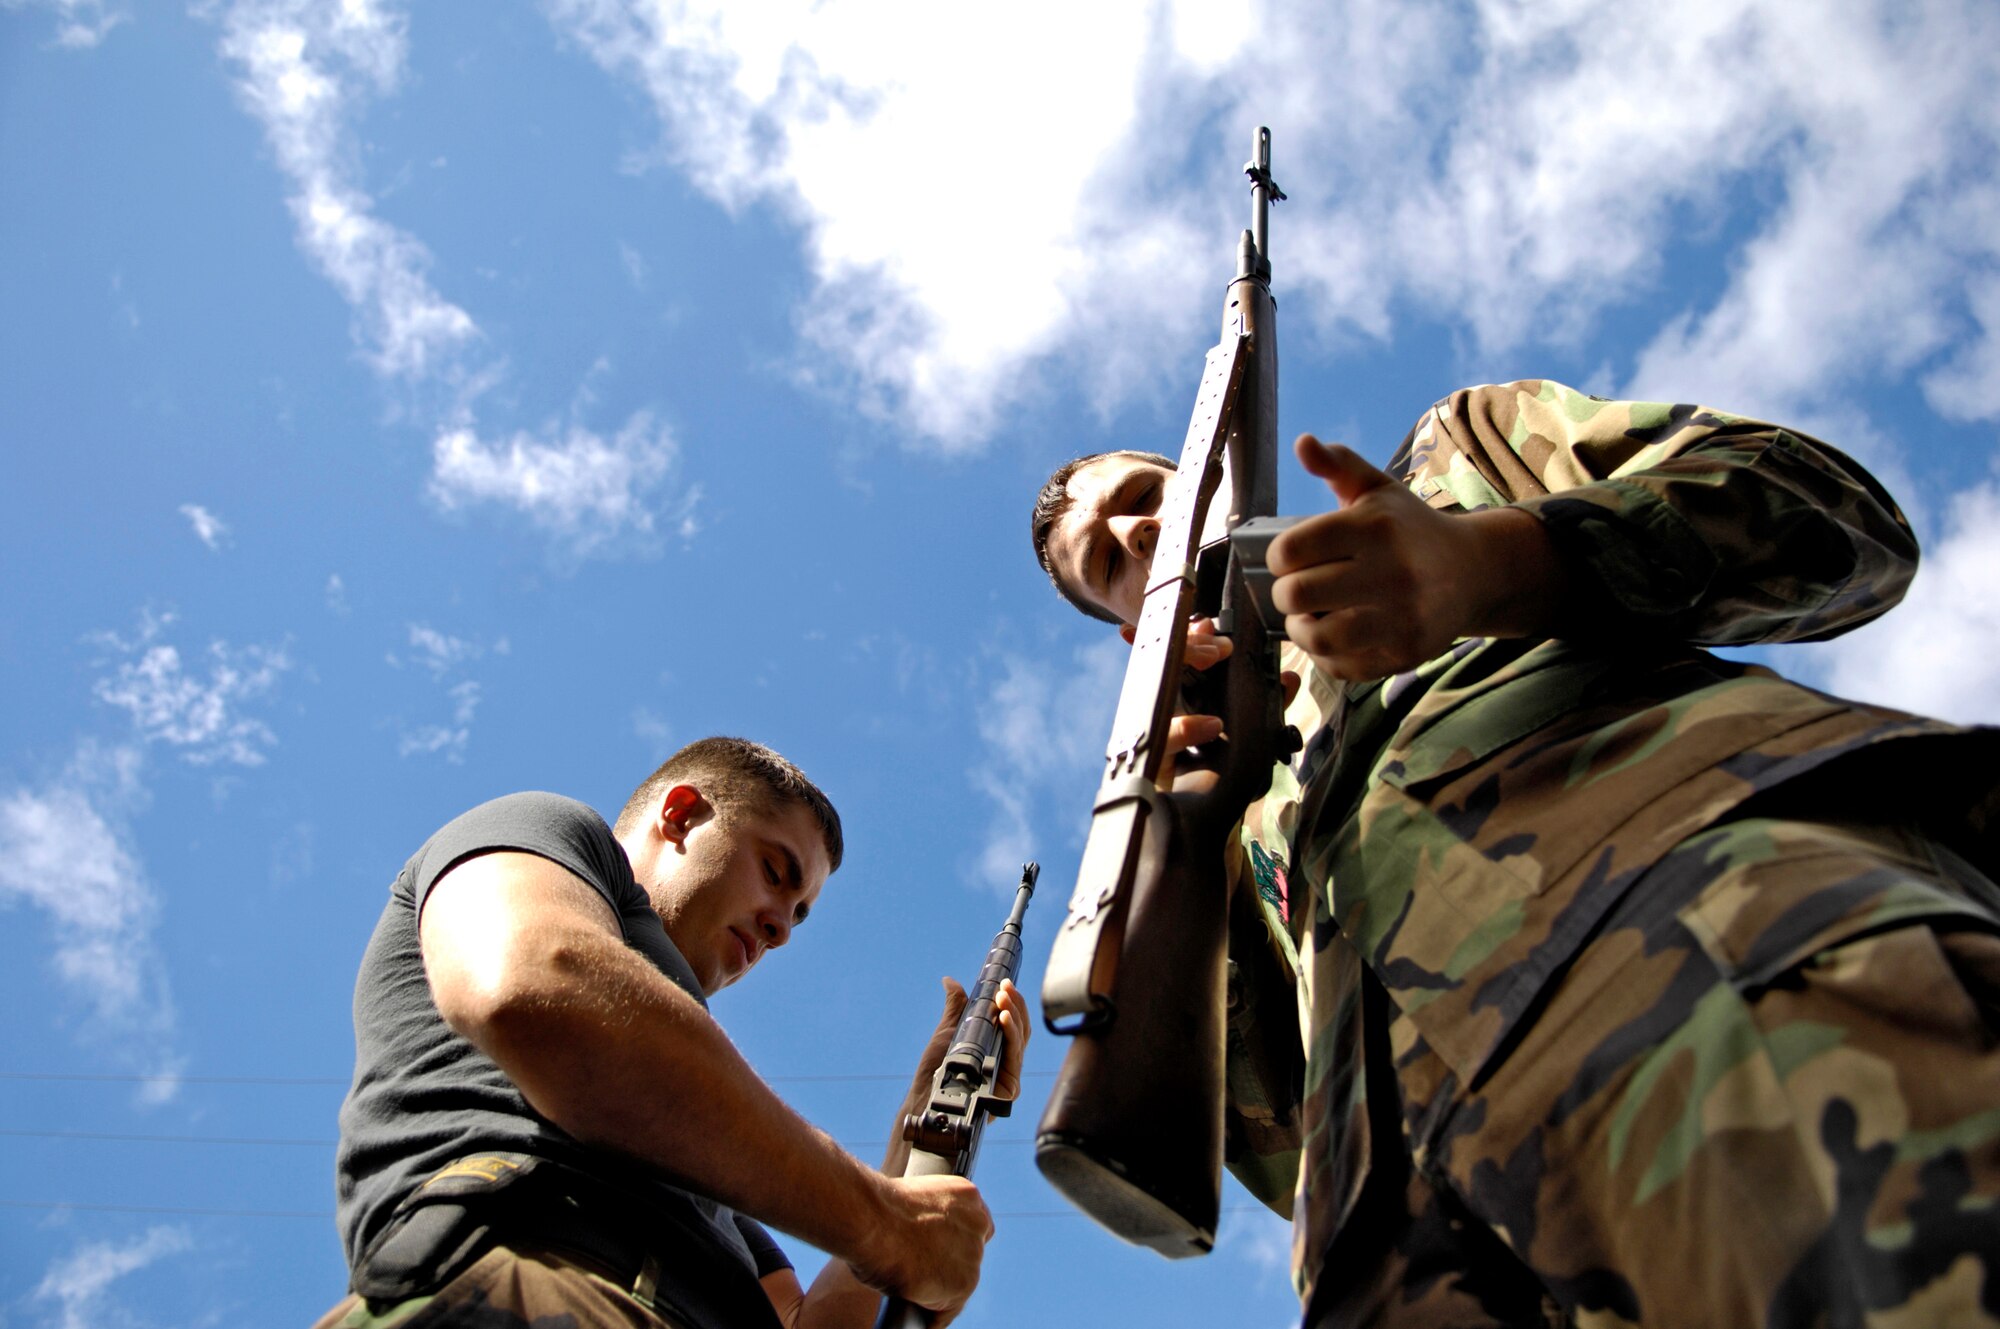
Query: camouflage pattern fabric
{"type": "Point", "coordinates": [1767, 1094]}
{"type": "Point", "coordinates": [1488, 815]}
{"type": "Point", "coordinates": [509, 1288]}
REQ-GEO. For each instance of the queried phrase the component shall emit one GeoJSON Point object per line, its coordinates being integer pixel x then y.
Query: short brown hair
{"type": "Point", "coordinates": [737, 777]}
{"type": "Point", "coordinates": [1054, 502]}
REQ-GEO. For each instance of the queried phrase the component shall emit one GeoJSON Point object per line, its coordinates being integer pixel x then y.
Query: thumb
{"type": "Point", "coordinates": [1343, 469]}
{"type": "Point", "coordinates": [954, 1001]}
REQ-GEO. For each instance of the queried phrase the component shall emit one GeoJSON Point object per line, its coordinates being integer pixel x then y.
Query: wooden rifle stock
{"type": "Point", "coordinates": [1133, 1129]}
{"type": "Point", "coordinates": [944, 1136]}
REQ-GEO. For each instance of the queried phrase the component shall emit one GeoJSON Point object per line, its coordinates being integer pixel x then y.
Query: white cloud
{"type": "Point", "coordinates": [654, 732]}
{"type": "Point", "coordinates": [65, 850]}
{"type": "Point", "coordinates": [292, 855]}
{"type": "Point", "coordinates": [948, 237]}
{"type": "Point", "coordinates": [336, 595]}
{"type": "Point", "coordinates": [440, 651]}
{"type": "Point", "coordinates": [169, 702]}
{"type": "Point", "coordinates": [1938, 653]}
{"type": "Point", "coordinates": [304, 68]}
{"type": "Point", "coordinates": [449, 739]}
{"type": "Point", "coordinates": [441, 654]}
{"type": "Point", "coordinates": [80, 24]}
{"type": "Point", "coordinates": [1043, 726]}
{"type": "Point", "coordinates": [1259, 1238]}
{"type": "Point", "coordinates": [636, 268]}
{"type": "Point", "coordinates": [1880, 133]}
{"type": "Point", "coordinates": [208, 528]}
{"type": "Point", "coordinates": [80, 1283]}
{"type": "Point", "coordinates": [1967, 386]}
{"type": "Point", "coordinates": [1515, 170]}
{"type": "Point", "coordinates": [592, 493]}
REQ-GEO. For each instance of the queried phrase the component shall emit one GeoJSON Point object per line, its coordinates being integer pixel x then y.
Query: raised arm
{"type": "Point", "coordinates": [1533, 510]}
{"type": "Point", "coordinates": [525, 961]}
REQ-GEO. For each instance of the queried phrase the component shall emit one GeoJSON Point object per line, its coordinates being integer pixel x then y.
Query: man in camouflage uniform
{"type": "Point", "coordinates": [1636, 985]}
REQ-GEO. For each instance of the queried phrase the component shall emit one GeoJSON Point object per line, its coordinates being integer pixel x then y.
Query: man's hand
{"type": "Point", "coordinates": [1387, 582]}
{"type": "Point", "coordinates": [1015, 1029]}
{"type": "Point", "coordinates": [1206, 648]}
{"type": "Point", "coordinates": [844, 1296]}
{"type": "Point", "coordinates": [930, 1249]}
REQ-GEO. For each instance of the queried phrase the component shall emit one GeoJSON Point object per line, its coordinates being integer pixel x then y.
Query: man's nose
{"type": "Point", "coordinates": [777, 929]}
{"type": "Point", "coordinates": [1136, 534]}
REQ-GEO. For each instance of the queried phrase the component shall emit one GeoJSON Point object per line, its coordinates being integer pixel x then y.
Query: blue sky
{"type": "Point", "coordinates": [401, 405]}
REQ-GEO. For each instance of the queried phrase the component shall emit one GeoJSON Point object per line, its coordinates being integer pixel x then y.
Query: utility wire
{"type": "Point", "coordinates": [850, 1146]}
{"type": "Point", "coordinates": [344, 1080]}
{"type": "Point", "coordinates": [329, 1213]}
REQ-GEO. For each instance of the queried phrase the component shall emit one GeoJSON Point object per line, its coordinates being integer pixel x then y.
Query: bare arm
{"type": "Point", "coordinates": [525, 961]}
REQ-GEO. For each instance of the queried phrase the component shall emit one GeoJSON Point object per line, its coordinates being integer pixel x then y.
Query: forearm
{"type": "Point", "coordinates": [616, 1055]}
{"type": "Point", "coordinates": [1516, 583]}
{"type": "Point", "coordinates": [838, 1300]}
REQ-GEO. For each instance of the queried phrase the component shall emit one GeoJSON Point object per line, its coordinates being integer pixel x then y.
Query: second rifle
{"type": "Point", "coordinates": [944, 1134]}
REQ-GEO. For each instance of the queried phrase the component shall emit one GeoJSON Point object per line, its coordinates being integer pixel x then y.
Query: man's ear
{"type": "Point", "coordinates": [677, 810]}
{"type": "Point", "coordinates": [1128, 632]}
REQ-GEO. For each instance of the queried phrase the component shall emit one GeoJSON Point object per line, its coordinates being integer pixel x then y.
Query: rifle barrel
{"type": "Point", "coordinates": [965, 1075]}
{"type": "Point", "coordinates": [976, 1042]}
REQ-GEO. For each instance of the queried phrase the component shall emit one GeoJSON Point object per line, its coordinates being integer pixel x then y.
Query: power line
{"type": "Point", "coordinates": [343, 1081]}
{"type": "Point", "coordinates": [329, 1213]}
{"type": "Point", "coordinates": [165, 1209]}
{"type": "Point", "coordinates": [173, 1079]}
{"type": "Point", "coordinates": [160, 1139]}
{"type": "Point", "coordinates": [327, 1143]}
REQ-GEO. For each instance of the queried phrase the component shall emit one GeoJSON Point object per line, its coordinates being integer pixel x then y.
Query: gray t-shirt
{"type": "Point", "coordinates": [423, 1096]}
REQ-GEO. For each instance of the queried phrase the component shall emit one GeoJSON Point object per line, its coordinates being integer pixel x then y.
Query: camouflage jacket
{"type": "Point", "coordinates": [1460, 828]}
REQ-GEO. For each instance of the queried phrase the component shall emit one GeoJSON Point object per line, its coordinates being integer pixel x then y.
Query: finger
{"type": "Point", "coordinates": [1190, 731]}
{"type": "Point", "coordinates": [1128, 632]}
{"type": "Point", "coordinates": [1013, 1042]}
{"type": "Point", "coordinates": [1207, 654]}
{"type": "Point", "coordinates": [1290, 682]}
{"type": "Point", "coordinates": [1015, 1031]}
{"type": "Point", "coordinates": [1205, 647]}
{"type": "Point", "coordinates": [1330, 537]}
{"type": "Point", "coordinates": [1346, 473]}
{"type": "Point", "coordinates": [1325, 587]}
{"type": "Point", "coordinates": [954, 993]}
{"type": "Point", "coordinates": [1348, 644]}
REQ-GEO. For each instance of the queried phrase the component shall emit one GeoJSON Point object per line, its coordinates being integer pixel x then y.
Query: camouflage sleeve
{"type": "Point", "coordinates": [1678, 520]}
{"type": "Point", "coordinates": [1263, 1058]}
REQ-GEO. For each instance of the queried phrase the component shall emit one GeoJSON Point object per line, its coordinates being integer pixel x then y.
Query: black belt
{"type": "Point", "coordinates": [485, 1200]}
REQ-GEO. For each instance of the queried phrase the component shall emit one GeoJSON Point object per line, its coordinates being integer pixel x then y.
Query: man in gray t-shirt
{"type": "Point", "coordinates": [546, 1121]}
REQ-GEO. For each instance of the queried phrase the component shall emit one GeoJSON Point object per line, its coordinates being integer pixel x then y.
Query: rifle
{"type": "Point", "coordinates": [944, 1137]}
{"type": "Point", "coordinates": [1132, 1133]}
